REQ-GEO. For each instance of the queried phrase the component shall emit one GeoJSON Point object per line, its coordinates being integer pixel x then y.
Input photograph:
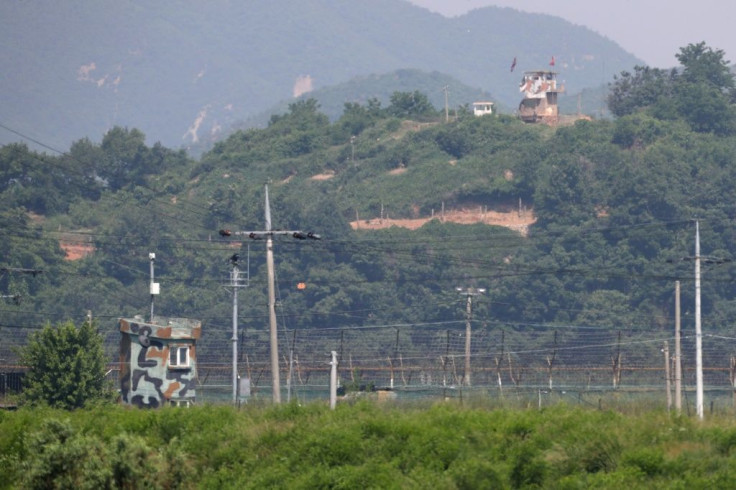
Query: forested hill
{"type": "Point", "coordinates": [186, 71]}
{"type": "Point", "coordinates": [614, 203]}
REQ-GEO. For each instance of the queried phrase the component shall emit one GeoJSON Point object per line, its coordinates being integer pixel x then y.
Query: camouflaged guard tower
{"type": "Point", "coordinates": [158, 361]}
{"type": "Point", "coordinates": [540, 97]}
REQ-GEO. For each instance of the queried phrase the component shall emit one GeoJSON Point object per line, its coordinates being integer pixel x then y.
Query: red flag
{"type": "Point", "coordinates": [552, 61]}
{"type": "Point", "coordinates": [513, 64]}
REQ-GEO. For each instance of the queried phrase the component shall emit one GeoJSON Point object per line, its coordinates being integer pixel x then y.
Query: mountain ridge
{"type": "Point", "coordinates": [184, 71]}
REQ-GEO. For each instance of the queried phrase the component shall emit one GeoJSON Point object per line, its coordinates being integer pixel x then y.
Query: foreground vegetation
{"type": "Point", "coordinates": [365, 445]}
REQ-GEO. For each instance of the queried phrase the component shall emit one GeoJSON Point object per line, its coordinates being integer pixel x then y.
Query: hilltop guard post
{"type": "Point", "coordinates": [540, 91]}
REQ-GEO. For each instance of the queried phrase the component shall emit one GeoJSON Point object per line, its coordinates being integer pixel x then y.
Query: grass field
{"type": "Point", "coordinates": [366, 444]}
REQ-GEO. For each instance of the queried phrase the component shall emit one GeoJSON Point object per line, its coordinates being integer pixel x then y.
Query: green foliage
{"type": "Point", "coordinates": [643, 88]}
{"type": "Point", "coordinates": [612, 201]}
{"type": "Point", "coordinates": [61, 458]}
{"type": "Point", "coordinates": [649, 461]}
{"type": "Point", "coordinates": [361, 445]}
{"type": "Point", "coordinates": [701, 93]}
{"type": "Point", "coordinates": [66, 366]}
{"type": "Point", "coordinates": [411, 105]}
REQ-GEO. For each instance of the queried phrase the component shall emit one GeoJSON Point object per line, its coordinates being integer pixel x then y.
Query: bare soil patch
{"type": "Point", "coordinates": [515, 220]}
{"type": "Point", "coordinates": [324, 176]}
{"type": "Point", "coordinates": [76, 251]}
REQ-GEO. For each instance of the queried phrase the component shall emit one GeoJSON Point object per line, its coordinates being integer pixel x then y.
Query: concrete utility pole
{"type": "Point", "coordinates": [235, 284]}
{"type": "Point", "coordinates": [666, 352]}
{"type": "Point", "coordinates": [678, 354]}
{"type": "Point", "coordinates": [698, 331]}
{"type": "Point", "coordinates": [333, 380]}
{"type": "Point", "coordinates": [154, 288]}
{"type": "Point", "coordinates": [697, 258]}
{"type": "Point", "coordinates": [274, 339]}
{"type": "Point", "coordinates": [469, 293]}
{"type": "Point", "coordinates": [268, 234]}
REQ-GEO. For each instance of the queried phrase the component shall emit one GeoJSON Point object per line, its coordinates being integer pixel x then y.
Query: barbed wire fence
{"type": "Point", "coordinates": [528, 364]}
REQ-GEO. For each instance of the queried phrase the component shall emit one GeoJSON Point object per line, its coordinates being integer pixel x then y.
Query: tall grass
{"type": "Point", "coordinates": [364, 445]}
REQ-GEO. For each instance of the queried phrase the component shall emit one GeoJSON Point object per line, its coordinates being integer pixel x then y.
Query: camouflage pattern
{"type": "Point", "coordinates": [158, 361]}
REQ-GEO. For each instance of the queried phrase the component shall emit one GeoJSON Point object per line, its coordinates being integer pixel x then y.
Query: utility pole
{"type": "Point", "coordinates": [155, 287]}
{"type": "Point", "coordinates": [235, 284]}
{"type": "Point", "coordinates": [274, 339]}
{"type": "Point", "coordinates": [268, 234]}
{"type": "Point", "coordinates": [333, 380]}
{"type": "Point", "coordinates": [447, 114]}
{"type": "Point", "coordinates": [678, 358]}
{"type": "Point", "coordinates": [698, 331]}
{"type": "Point", "coordinates": [697, 258]}
{"type": "Point", "coordinates": [668, 389]}
{"type": "Point", "coordinates": [468, 293]}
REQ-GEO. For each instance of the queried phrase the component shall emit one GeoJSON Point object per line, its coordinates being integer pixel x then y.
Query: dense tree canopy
{"type": "Point", "coordinates": [701, 92]}
{"type": "Point", "coordinates": [66, 366]}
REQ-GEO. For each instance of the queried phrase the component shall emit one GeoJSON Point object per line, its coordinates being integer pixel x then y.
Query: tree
{"type": "Point", "coordinates": [408, 105]}
{"type": "Point", "coordinates": [66, 366]}
{"type": "Point", "coordinates": [702, 64]}
{"type": "Point", "coordinates": [125, 156]}
{"type": "Point", "coordinates": [303, 115]}
{"type": "Point", "coordinates": [701, 92]}
{"type": "Point", "coordinates": [631, 92]}
{"type": "Point", "coordinates": [354, 120]}
{"type": "Point", "coordinates": [706, 90]}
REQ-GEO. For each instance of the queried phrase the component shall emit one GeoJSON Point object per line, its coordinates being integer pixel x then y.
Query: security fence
{"type": "Point", "coordinates": [529, 363]}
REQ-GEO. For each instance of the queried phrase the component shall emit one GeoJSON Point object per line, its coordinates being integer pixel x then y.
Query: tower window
{"type": "Point", "coordinates": [179, 356]}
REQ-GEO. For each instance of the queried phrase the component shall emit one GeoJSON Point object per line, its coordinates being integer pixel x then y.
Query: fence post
{"type": "Point", "coordinates": [333, 381]}
{"type": "Point", "coordinates": [551, 362]}
{"type": "Point", "coordinates": [616, 361]}
{"type": "Point", "coordinates": [666, 351]}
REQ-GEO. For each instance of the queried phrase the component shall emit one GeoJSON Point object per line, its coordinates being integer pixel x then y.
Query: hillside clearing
{"type": "Point", "coordinates": [514, 220]}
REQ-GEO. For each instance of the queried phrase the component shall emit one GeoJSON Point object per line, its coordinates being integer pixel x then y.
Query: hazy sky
{"type": "Point", "coordinates": [652, 30]}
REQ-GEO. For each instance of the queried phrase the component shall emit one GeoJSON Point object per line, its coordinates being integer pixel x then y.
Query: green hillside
{"type": "Point", "coordinates": [614, 202]}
